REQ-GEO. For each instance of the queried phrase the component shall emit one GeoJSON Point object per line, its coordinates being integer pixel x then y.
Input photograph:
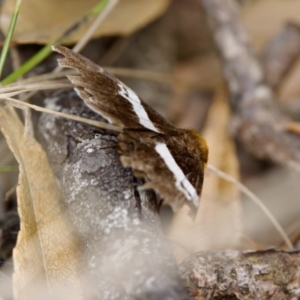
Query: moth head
{"type": "Point", "coordinates": [202, 145]}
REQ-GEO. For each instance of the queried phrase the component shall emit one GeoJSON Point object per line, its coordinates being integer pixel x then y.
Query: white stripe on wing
{"type": "Point", "coordinates": [137, 106]}
{"type": "Point", "coordinates": [181, 182]}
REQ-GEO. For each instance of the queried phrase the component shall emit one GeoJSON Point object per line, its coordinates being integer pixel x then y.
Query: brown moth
{"type": "Point", "coordinates": [171, 160]}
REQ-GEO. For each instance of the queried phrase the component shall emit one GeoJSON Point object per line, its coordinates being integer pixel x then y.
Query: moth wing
{"type": "Point", "coordinates": [109, 97]}
{"type": "Point", "coordinates": [153, 160]}
{"type": "Point", "coordinates": [171, 160]}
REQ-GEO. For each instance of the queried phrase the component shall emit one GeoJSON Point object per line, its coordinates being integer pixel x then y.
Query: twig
{"type": "Point", "coordinates": [163, 78]}
{"type": "Point", "coordinates": [15, 90]}
{"type": "Point", "coordinates": [99, 124]}
{"type": "Point", "coordinates": [258, 123]}
{"type": "Point", "coordinates": [256, 200]}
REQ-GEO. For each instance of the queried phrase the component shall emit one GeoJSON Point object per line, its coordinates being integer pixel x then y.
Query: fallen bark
{"type": "Point", "coordinates": [230, 274]}
{"type": "Point", "coordinates": [124, 254]}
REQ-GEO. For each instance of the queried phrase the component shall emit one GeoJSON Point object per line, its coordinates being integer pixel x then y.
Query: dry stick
{"type": "Point", "coordinates": [99, 124]}
{"type": "Point", "coordinates": [164, 78]}
{"type": "Point", "coordinates": [258, 123]}
{"type": "Point", "coordinates": [12, 91]}
{"type": "Point", "coordinates": [255, 199]}
{"type": "Point", "coordinates": [39, 78]}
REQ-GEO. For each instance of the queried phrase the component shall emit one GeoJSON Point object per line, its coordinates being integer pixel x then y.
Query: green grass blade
{"type": "Point", "coordinates": [6, 169]}
{"type": "Point", "coordinates": [28, 65]}
{"type": "Point", "coordinates": [10, 33]}
{"type": "Point", "coordinates": [46, 50]}
{"type": "Point", "coordinates": [99, 7]}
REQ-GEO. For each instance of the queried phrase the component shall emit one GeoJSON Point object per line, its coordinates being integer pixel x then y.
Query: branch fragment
{"type": "Point", "coordinates": [231, 274]}
{"type": "Point", "coordinates": [125, 255]}
{"type": "Point", "coordinates": [258, 123]}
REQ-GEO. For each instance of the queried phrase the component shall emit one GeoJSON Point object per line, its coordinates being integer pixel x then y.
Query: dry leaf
{"type": "Point", "coordinates": [45, 257]}
{"type": "Point", "coordinates": [218, 223]}
{"type": "Point", "coordinates": [43, 21]}
{"type": "Point", "coordinates": [263, 19]}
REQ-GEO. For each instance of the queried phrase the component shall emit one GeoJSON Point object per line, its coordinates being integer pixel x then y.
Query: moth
{"type": "Point", "coordinates": [171, 160]}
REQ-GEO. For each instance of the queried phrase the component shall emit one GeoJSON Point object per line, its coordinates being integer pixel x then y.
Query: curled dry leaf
{"type": "Point", "coordinates": [45, 257]}
{"type": "Point", "coordinates": [41, 21]}
{"type": "Point", "coordinates": [218, 221]}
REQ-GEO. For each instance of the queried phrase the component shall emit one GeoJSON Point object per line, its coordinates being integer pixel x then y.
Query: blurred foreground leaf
{"type": "Point", "coordinates": [41, 21]}
{"type": "Point", "coordinates": [45, 257]}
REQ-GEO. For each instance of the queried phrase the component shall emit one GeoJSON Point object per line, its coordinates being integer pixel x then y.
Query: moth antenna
{"type": "Point", "coordinates": [242, 188]}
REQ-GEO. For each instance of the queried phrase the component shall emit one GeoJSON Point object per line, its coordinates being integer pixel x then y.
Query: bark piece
{"type": "Point", "coordinates": [125, 255]}
{"type": "Point", "coordinates": [231, 274]}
